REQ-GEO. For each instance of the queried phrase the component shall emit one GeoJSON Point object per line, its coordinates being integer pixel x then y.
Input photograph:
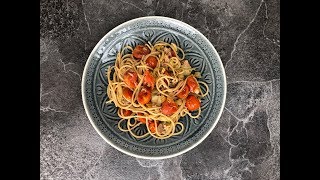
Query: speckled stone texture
{"type": "Point", "coordinates": [244, 144]}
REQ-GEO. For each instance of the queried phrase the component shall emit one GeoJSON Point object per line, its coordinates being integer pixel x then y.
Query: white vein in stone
{"type": "Point", "coordinates": [207, 29]}
{"type": "Point", "coordinates": [250, 116]}
{"type": "Point", "coordinates": [93, 166]}
{"type": "Point", "coordinates": [66, 71]}
{"type": "Point", "coordinates": [241, 33]}
{"type": "Point", "coordinates": [227, 139]}
{"type": "Point", "coordinates": [180, 174]}
{"type": "Point", "coordinates": [67, 2]}
{"type": "Point", "coordinates": [85, 17]}
{"type": "Point", "coordinates": [48, 108]}
{"type": "Point", "coordinates": [235, 127]}
{"type": "Point", "coordinates": [149, 178]}
{"type": "Point", "coordinates": [233, 114]}
{"type": "Point", "coordinates": [57, 167]}
{"type": "Point", "coordinates": [229, 134]}
{"type": "Point", "coordinates": [157, 5]}
{"type": "Point", "coordinates": [244, 120]}
{"type": "Point", "coordinates": [85, 44]}
{"type": "Point", "coordinates": [271, 135]}
{"type": "Point", "coordinates": [43, 94]}
{"type": "Point", "coordinates": [45, 58]}
{"type": "Point", "coordinates": [77, 74]}
{"type": "Point", "coordinates": [271, 91]}
{"type": "Point", "coordinates": [182, 10]}
{"type": "Point", "coordinates": [274, 41]}
{"type": "Point", "coordinates": [64, 64]}
{"type": "Point", "coordinates": [42, 61]}
{"type": "Point", "coordinates": [247, 169]}
{"type": "Point", "coordinates": [232, 82]}
{"type": "Point", "coordinates": [132, 5]}
{"type": "Point", "coordinates": [164, 174]}
{"type": "Point", "coordinates": [149, 163]}
{"type": "Point", "coordinates": [231, 161]}
{"type": "Point", "coordinates": [161, 165]}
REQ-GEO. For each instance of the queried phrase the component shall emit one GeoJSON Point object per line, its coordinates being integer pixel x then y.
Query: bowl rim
{"type": "Point", "coordinates": [84, 101]}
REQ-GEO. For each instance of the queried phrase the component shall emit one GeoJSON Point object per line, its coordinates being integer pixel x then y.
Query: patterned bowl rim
{"type": "Point", "coordinates": [114, 145]}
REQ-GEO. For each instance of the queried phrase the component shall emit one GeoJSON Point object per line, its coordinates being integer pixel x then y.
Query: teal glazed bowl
{"type": "Point", "coordinates": [201, 55]}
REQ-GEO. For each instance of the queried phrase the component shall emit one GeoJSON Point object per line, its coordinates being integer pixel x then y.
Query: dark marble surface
{"type": "Point", "coordinates": [245, 142]}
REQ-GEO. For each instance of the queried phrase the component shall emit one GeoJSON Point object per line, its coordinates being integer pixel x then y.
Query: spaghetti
{"type": "Point", "coordinates": [153, 85]}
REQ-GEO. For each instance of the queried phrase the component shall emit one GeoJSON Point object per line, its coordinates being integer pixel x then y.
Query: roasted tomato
{"type": "Point", "coordinates": [126, 112]}
{"type": "Point", "coordinates": [140, 50]}
{"type": "Point", "coordinates": [192, 103]}
{"type": "Point", "coordinates": [130, 78]}
{"type": "Point", "coordinates": [152, 126]}
{"type": "Point", "coordinates": [149, 80]}
{"type": "Point", "coordinates": [127, 93]}
{"type": "Point", "coordinates": [143, 120]}
{"type": "Point", "coordinates": [169, 107]}
{"type": "Point", "coordinates": [184, 93]}
{"type": "Point", "coordinates": [152, 62]}
{"type": "Point", "coordinates": [144, 95]}
{"type": "Point", "coordinates": [193, 84]}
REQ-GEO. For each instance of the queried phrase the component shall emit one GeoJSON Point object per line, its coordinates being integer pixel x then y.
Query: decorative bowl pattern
{"type": "Point", "coordinates": [201, 55]}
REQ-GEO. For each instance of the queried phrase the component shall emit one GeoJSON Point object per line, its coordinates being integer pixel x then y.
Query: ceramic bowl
{"type": "Point", "coordinates": [201, 55]}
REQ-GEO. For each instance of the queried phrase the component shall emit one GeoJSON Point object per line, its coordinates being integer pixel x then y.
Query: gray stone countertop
{"type": "Point", "coordinates": [245, 142]}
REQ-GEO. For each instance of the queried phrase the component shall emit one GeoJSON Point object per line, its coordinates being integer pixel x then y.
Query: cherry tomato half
{"type": "Point", "coordinates": [184, 93]}
{"type": "Point", "coordinates": [144, 95]}
{"type": "Point", "coordinates": [192, 103]}
{"type": "Point", "coordinates": [130, 78]}
{"type": "Point", "coordinates": [139, 51]}
{"type": "Point", "coordinates": [193, 84]}
{"type": "Point", "coordinates": [169, 107]}
{"type": "Point", "coordinates": [152, 62]}
{"type": "Point", "coordinates": [149, 80]}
